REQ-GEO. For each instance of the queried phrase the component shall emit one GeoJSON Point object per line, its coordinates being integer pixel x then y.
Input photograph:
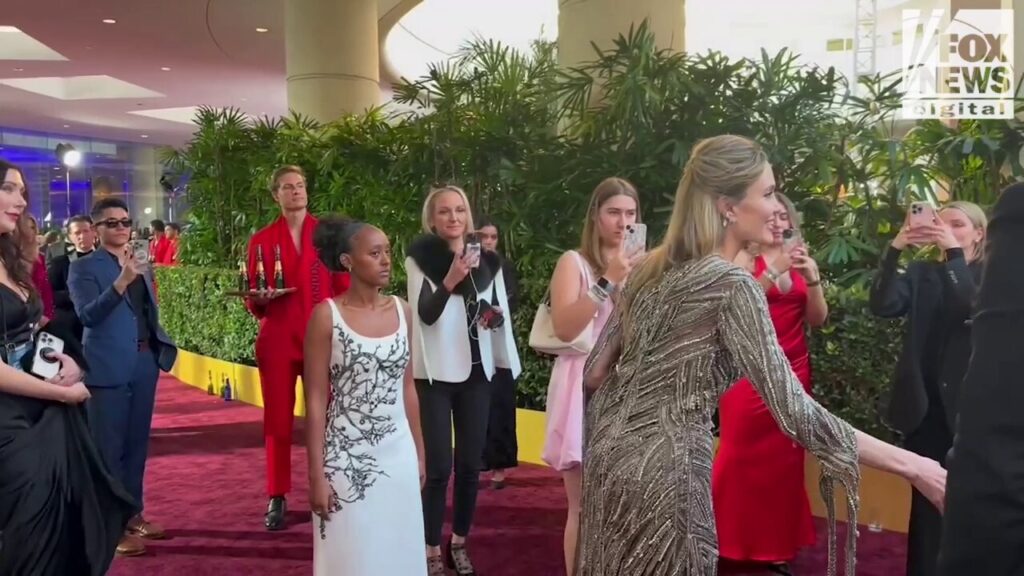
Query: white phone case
{"type": "Point", "coordinates": [636, 239]}
{"type": "Point", "coordinates": [40, 366]}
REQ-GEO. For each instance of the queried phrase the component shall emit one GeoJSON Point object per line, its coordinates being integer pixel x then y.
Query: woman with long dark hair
{"type": "Point", "coordinates": [61, 512]}
{"type": "Point", "coordinates": [502, 449]}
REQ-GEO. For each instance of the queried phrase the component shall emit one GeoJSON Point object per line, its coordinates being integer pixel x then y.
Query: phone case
{"type": "Point", "coordinates": [921, 214]}
{"type": "Point", "coordinates": [636, 239]}
{"type": "Point", "coordinates": [40, 366]}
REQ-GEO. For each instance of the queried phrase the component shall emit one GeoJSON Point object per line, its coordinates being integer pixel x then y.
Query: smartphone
{"type": "Point", "coordinates": [921, 214]}
{"type": "Point", "coordinates": [636, 238]}
{"type": "Point", "coordinates": [140, 250]}
{"type": "Point", "coordinates": [790, 238]}
{"type": "Point", "coordinates": [44, 364]}
{"type": "Point", "coordinates": [472, 250]}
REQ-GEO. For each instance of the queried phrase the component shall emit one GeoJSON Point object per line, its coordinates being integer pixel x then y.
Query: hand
{"type": "Point", "coordinates": [461, 265]}
{"type": "Point", "coordinates": [908, 236]}
{"type": "Point", "coordinates": [805, 265]}
{"type": "Point", "coordinates": [930, 479]}
{"type": "Point", "coordinates": [320, 493]}
{"type": "Point", "coordinates": [783, 262]}
{"type": "Point", "coordinates": [131, 270]}
{"type": "Point", "coordinates": [619, 266]}
{"type": "Point", "coordinates": [69, 372]}
{"type": "Point", "coordinates": [940, 234]}
{"type": "Point", "coordinates": [75, 394]}
{"type": "Point", "coordinates": [423, 472]}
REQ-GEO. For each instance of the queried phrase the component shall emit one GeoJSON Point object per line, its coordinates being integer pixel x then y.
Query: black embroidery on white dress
{"type": "Point", "coordinates": [370, 376]}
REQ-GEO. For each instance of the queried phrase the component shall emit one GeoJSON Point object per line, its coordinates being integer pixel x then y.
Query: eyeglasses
{"type": "Point", "coordinates": [122, 223]}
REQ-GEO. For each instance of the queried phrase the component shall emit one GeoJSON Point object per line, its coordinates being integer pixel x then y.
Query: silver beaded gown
{"type": "Point", "coordinates": [646, 506]}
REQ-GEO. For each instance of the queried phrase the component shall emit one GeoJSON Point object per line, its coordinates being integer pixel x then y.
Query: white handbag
{"type": "Point", "coordinates": [542, 334]}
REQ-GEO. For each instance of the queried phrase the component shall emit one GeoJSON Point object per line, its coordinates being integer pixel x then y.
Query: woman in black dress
{"type": "Point", "coordinates": [936, 297]}
{"type": "Point", "coordinates": [61, 513]}
{"type": "Point", "coordinates": [502, 450]}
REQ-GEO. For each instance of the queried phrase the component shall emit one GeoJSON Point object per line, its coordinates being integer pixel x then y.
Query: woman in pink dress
{"type": "Point", "coordinates": [583, 290]}
{"type": "Point", "coordinates": [761, 508]}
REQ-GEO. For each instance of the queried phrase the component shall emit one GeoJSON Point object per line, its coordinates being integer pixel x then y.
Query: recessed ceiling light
{"type": "Point", "coordinates": [261, 30]}
{"type": "Point", "coordinates": [109, 21]}
{"type": "Point", "coordinates": [19, 69]}
{"type": "Point", "coordinates": [245, 99]}
{"type": "Point", "coordinates": [67, 125]}
{"type": "Point", "coordinates": [56, 167]}
{"type": "Point", "coordinates": [165, 68]}
{"type": "Point", "coordinates": [145, 135]}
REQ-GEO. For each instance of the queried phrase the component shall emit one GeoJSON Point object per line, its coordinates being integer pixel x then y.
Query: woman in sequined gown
{"type": "Point", "coordinates": [689, 324]}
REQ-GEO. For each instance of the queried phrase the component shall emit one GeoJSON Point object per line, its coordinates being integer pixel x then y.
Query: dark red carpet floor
{"type": "Point", "coordinates": [205, 484]}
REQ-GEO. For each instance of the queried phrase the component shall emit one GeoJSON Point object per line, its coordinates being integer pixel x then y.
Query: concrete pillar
{"type": "Point", "coordinates": [332, 57]}
{"type": "Point", "coordinates": [145, 198]}
{"type": "Point", "coordinates": [581, 22]}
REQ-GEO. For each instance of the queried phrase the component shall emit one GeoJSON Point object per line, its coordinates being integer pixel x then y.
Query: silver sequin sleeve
{"type": "Point", "coordinates": [749, 336]}
{"type": "Point", "coordinates": [605, 353]}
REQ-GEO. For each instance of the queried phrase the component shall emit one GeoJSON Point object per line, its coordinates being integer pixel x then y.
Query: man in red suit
{"type": "Point", "coordinates": [159, 243]}
{"type": "Point", "coordinates": [283, 320]}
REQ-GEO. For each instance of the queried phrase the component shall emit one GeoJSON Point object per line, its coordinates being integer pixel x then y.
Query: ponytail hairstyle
{"type": "Point", "coordinates": [719, 167]}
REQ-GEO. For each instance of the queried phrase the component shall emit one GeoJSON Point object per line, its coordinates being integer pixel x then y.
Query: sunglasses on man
{"type": "Point", "coordinates": [114, 223]}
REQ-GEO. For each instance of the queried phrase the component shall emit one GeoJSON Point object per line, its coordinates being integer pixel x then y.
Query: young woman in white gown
{"type": "Point", "coordinates": [362, 416]}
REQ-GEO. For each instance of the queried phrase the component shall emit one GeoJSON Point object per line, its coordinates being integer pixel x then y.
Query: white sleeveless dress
{"type": "Point", "coordinates": [376, 525]}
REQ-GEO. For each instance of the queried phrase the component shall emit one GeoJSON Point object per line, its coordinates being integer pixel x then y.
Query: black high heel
{"type": "Point", "coordinates": [457, 559]}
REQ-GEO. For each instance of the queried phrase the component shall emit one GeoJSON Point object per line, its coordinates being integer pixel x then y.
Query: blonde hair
{"type": "Point", "coordinates": [590, 238]}
{"type": "Point", "coordinates": [978, 219]}
{"type": "Point", "coordinates": [719, 167]}
{"type": "Point", "coordinates": [275, 178]}
{"type": "Point", "coordinates": [428, 207]}
{"type": "Point", "coordinates": [794, 216]}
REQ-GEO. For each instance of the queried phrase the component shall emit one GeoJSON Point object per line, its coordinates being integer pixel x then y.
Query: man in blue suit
{"type": "Point", "coordinates": [126, 348]}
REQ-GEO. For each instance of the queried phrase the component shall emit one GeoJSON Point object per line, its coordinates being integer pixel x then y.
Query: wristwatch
{"type": "Point", "coordinates": [606, 285]}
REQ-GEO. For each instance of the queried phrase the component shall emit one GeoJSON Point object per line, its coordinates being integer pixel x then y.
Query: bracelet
{"type": "Point", "coordinates": [815, 283]}
{"type": "Point", "coordinates": [597, 294]}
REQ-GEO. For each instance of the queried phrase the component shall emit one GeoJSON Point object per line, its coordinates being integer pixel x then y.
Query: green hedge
{"type": "Point", "coordinates": [853, 356]}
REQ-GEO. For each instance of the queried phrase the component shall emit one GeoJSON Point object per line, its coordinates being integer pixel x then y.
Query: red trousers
{"type": "Point", "coordinates": [279, 372]}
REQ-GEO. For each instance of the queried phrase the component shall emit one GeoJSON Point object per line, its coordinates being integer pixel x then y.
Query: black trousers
{"type": "Point", "coordinates": [465, 405]}
{"type": "Point", "coordinates": [502, 449]}
{"type": "Point", "coordinates": [932, 440]}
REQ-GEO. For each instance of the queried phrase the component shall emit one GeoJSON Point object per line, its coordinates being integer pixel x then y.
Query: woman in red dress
{"type": "Point", "coordinates": [757, 483]}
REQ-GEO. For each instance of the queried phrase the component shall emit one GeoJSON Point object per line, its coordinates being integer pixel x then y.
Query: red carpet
{"type": "Point", "coordinates": [205, 484]}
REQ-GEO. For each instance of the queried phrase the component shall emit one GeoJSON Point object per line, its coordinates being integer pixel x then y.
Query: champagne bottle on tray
{"type": "Point", "coordinates": [261, 274]}
{"type": "Point", "coordinates": [278, 272]}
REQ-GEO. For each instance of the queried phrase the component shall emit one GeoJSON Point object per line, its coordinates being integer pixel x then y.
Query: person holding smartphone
{"type": "Point", "coordinates": [502, 450]}
{"type": "Point", "coordinates": [584, 286]}
{"type": "Point", "coordinates": [53, 481]}
{"type": "Point", "coordinates": [461, 337]}
{"type": "Point", "coordinates": [936, 298]}
{"type": "Point", "coordinates": [766, 517]}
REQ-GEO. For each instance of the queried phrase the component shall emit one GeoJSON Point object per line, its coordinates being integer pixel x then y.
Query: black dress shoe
{"type": "Point", "coordinates": [276, 511]}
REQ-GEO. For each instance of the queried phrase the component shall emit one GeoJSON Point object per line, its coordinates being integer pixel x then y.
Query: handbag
{"type": "Point", "coordinates": [542, 334]}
